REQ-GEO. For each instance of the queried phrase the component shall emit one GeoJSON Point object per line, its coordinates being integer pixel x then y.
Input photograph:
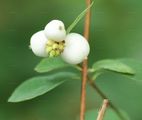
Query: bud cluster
{"type": "Point", "coordinates": [53, 41]}
{"type": "Point", "coordinates": [54, 48]}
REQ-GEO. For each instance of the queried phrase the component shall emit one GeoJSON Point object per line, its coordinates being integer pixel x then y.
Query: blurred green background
{"type": "Point", "coordinates": [116, 31]}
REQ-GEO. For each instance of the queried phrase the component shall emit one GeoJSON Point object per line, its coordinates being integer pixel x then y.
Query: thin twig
{"type": "Point", "coordinates": [93, 85]}
{"type": "Point", "coordinates": [103, 110]}
{"type": "Point", "coordinates": [85, 66]}
{"type": "Point", "coordinates": [87, 21]}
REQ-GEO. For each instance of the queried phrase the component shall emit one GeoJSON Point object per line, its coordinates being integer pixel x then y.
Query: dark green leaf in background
{"type": "Point", "coordinates": [39, 85]}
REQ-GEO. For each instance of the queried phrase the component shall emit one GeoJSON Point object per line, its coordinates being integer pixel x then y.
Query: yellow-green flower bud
{"type": "Point", "coordinates": [55, 46]}
{"type": "Point", "coordinates": [57, 52]}
{"type": "Point", "coordinates": [52, 53]}
{"type": "Point", "coordinates": [50, 42]}
{"type": "Point", "coordinates": [48, 49]}
{"type": "Point", "coordinates": [61, 46]}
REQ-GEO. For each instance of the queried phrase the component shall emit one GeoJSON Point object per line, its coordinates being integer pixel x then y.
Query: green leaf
{"type": "Point", "coordinates": [113, 65]}
{"type": "Point", "coordinates": [49, 64]}
{"type": "Point", "coordinates": [136, 66]}
{"type": "Point", "coordinates": [39, 85]}
{"type": "Point", "coordinates": [79, 17]}
{"type": "Point", "coordinates": [109, 115]}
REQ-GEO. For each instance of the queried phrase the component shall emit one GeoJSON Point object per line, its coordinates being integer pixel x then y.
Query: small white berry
{"type": "Point", "coordinates": [55, 30]}
{"type": "Point", "coordinates": [38, 44]}
{"type": "Point", "coordinates": [76, 48]}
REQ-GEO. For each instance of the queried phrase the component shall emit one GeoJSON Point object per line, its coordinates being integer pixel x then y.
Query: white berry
{"type": "Point", "coordinates": [76, 48]}
{"type": "Point", "coordinates": [55, 30]}
{"type": "Point", "coordinates": [38, 44]}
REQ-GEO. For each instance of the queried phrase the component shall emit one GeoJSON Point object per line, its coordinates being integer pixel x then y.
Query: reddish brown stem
{"type": "Point", "coordinates": [87, 21]}
{"type": "Point", "coordinates": [85, 66]}
{"type": "Point", "coordinates": [103, 110]}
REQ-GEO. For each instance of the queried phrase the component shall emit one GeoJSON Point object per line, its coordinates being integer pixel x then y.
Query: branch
{"type": "Point", "coordinates": [85, 66]}
{"type": "Point", "coordinates": [103, 110]}
{"type": "Point", "coordinates": [93, 85]}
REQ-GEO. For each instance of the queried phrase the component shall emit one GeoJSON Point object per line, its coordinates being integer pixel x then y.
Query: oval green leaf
{"type": "Point", "coordinates": [39, 85]}
{"type": "Point", "coordinates": [113, 65]}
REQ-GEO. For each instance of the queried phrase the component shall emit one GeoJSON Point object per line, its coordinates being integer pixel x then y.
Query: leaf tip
{"type": "Point", "coordinates": [36, 69]}
{"type": "Point", "coordinates": [11, 100]}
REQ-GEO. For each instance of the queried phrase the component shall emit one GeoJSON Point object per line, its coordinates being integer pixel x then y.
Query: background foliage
{"type": "Point", "coordinates": [115, 32]}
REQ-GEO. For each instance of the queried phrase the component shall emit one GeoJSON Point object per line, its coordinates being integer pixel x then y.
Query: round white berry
{"type": "Point", "coordinates": [76, 48]}
{"type": "Point", "coordinates": [55, 30]}
{"type": "Point", "coordinates": [38, 44]}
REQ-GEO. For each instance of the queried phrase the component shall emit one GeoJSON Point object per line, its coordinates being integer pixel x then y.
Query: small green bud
{"type": "Point", "coordinates": [48, 49]}
{"type": "Point", "coordinates": [50, 42]}
{"type": "Point", "coordinates": [57, 52]}
{"type": "Point", "coordinates": [55, 46]}
{"type": "Point", "coordinates": [52, 53]}
{"type": "Point", "coordinates": [61, 46]}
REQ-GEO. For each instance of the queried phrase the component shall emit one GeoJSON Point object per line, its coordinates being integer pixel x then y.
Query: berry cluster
{"type": "Point", "coordinates": [53, 41]}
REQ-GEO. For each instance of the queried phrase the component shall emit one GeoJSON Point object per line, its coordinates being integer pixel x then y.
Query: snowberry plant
{"type": "Point", "coordinates": [60, 48]}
